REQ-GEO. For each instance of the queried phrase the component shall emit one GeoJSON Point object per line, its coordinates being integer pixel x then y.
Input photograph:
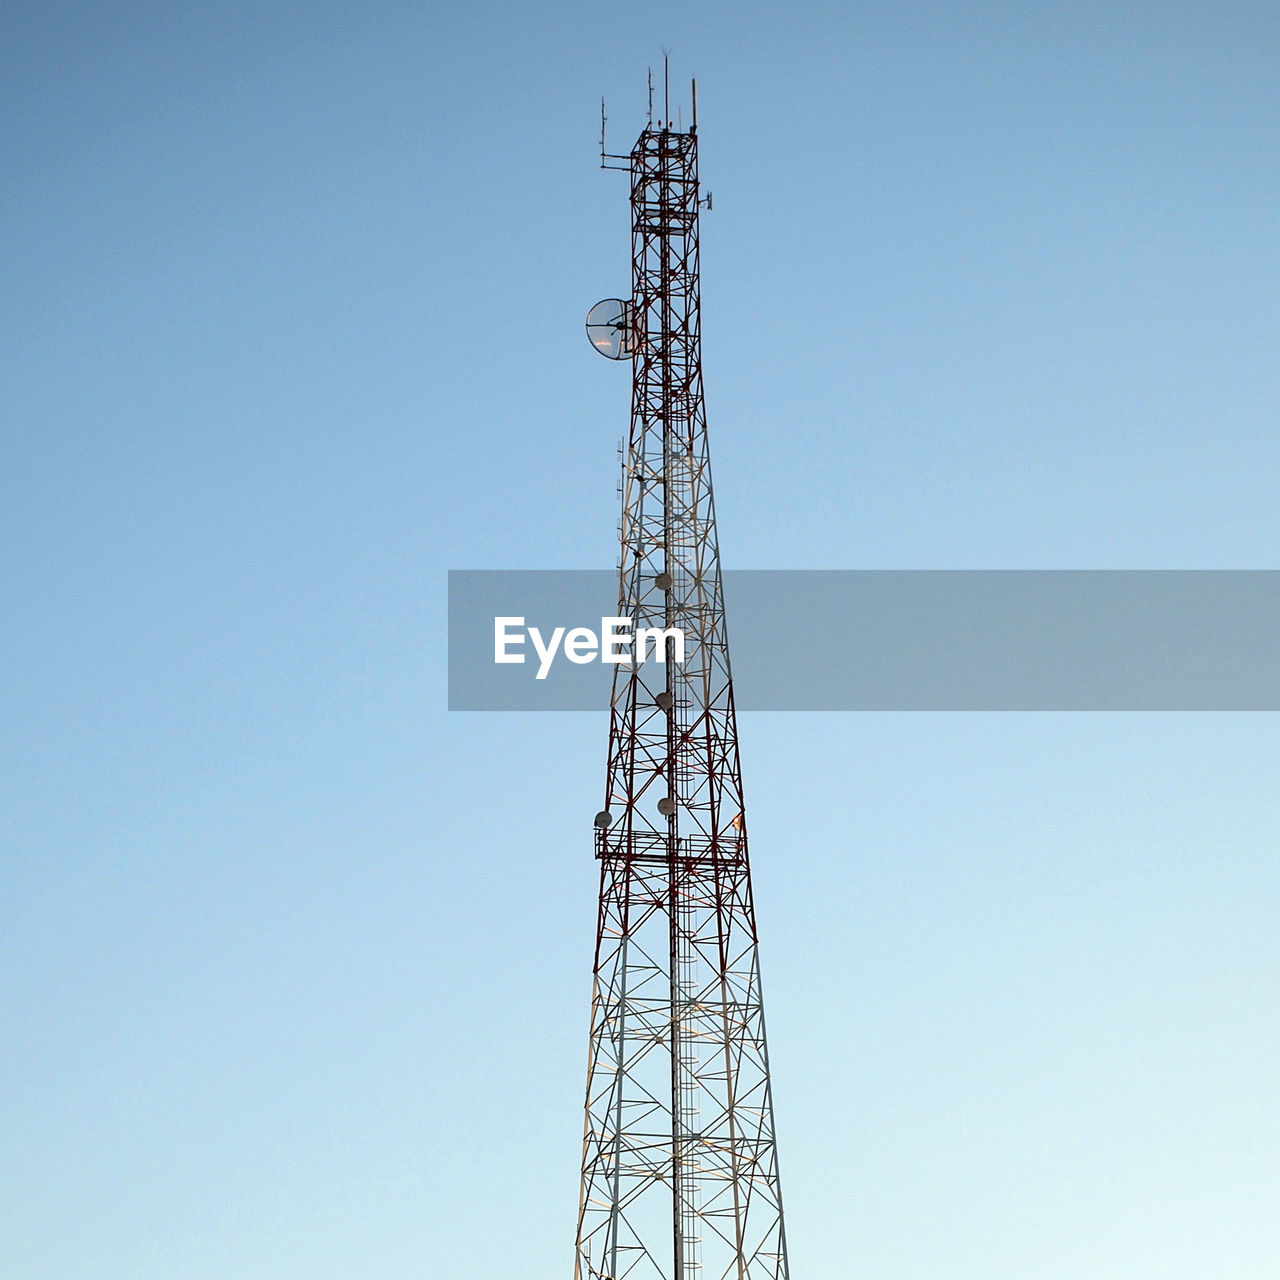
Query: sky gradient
{"type": "Point", "coordinates": [294, 964]}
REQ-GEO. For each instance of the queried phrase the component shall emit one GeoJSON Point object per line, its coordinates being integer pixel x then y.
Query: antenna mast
{"type": "Point", "coordinates": [679, 1163]}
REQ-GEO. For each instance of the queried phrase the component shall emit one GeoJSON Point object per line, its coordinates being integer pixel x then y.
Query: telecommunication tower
{"type": "Point", "coordinates": [679, 1163]}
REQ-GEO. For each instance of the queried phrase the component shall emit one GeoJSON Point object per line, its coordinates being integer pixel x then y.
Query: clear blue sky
{"type": "Point", "coordinates": [294, 965]}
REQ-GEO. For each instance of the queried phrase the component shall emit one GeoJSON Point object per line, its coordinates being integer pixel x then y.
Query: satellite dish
{"type": "Point", "coordinates": [609, 328]}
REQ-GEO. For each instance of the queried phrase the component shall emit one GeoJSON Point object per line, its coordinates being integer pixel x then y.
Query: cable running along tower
{"type": "Point", "coordinates": [679, 1165]}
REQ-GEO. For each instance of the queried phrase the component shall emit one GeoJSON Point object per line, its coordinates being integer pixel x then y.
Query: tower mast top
{"type": "Point", "coordinates": [665, 124]}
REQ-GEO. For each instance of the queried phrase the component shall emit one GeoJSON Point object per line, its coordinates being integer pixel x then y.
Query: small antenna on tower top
{"type": "Point", "coordinates": [602, 120]}
{"type": "Point", "coordinates": [650, 97]}
{"type": "Point", "coordinates": [666, 87]}
{"type": "Point", "coordinates": [695, 107]}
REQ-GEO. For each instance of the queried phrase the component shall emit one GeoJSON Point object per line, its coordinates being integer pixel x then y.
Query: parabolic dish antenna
{"type": "Point", "coordinates": [609, 328]}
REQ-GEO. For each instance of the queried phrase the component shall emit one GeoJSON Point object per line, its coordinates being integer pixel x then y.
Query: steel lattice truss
{"type": "Point", "coordinates": [680, 1170]}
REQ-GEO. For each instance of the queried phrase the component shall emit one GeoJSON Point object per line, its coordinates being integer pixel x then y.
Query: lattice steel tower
{"type": "Point", "coordinates": [679, 1165]}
